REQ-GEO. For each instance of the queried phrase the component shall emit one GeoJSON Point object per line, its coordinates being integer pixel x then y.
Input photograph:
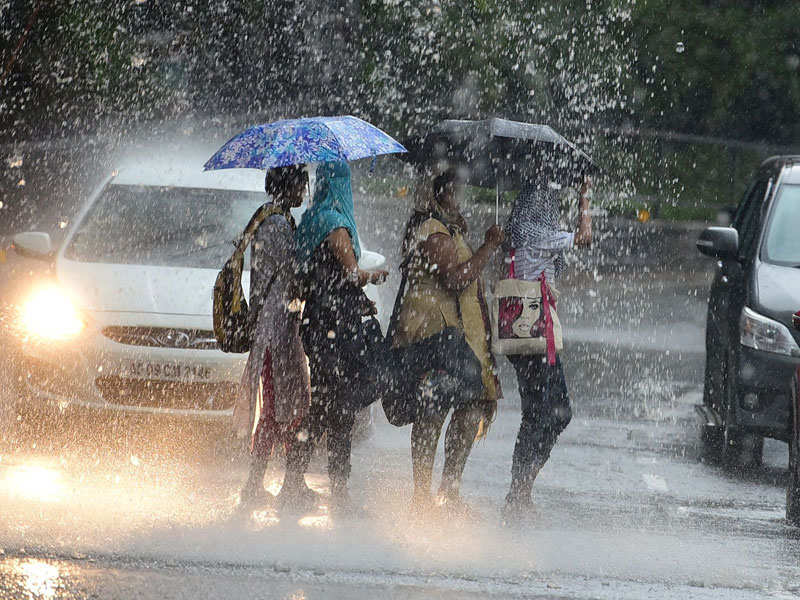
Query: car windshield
{"type": "Point", "coordinates": [782, 244]}
{"type": "Point", "coordinates": [165, 226]}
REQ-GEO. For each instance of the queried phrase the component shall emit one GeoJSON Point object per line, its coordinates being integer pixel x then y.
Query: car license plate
{"type": "Point", "coordinates": [142, 369]}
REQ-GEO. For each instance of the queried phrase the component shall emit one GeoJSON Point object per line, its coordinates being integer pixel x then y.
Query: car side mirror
{"type": "Point", "coordinates": [719, 242]}
{"type": "Point", "coordinates": [34, 244]}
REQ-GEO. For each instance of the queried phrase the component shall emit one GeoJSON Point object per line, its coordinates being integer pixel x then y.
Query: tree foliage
{"type": "Point", "coordinates": [717, 68]}
{"type": "Point", "coordinates": [722, 68]}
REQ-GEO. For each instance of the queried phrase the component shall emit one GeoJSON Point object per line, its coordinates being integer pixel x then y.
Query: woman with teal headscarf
{"type": "Point", "coordinates": [328, 250]}
{"type": "Point", "coordinates": [331, 209]}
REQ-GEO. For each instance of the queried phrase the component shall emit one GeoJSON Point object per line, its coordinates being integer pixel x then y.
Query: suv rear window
{"type": "Point", "coordinates": [782, 242]}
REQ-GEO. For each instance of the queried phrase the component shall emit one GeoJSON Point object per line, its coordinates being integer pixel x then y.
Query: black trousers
{"type": "Point", "coordinates": [339, 389]}
{"type": "Point", "coordinates": [546, 412]}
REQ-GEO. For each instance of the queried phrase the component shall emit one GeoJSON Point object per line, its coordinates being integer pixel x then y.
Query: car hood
{"type": "Point", "coordinates": [140, 288]}
{"type": "Point", "coordinates": [777, 292]}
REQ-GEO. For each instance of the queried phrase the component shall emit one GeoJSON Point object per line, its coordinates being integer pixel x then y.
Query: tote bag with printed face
{"type": "Point", "coordinates": [524, 318]}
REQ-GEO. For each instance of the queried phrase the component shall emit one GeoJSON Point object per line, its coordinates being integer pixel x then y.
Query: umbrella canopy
{"type": "Point", "coordinates": [500, 153]}
{"type": "Point", "coordinates": [296, 141]}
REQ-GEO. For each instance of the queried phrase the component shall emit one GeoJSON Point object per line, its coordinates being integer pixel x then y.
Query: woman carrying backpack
{"type": "Point", "coordinates": [274, 396]}
{"type": "Point", "coordinates": [538, 246]}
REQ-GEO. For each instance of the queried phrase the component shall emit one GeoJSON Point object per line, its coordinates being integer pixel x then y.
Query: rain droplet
{"type": "Point", "coordinates": [679, 48]}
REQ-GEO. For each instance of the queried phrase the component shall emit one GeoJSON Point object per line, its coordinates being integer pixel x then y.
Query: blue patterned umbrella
{"type": "Point", "coordinates": [296, 141]}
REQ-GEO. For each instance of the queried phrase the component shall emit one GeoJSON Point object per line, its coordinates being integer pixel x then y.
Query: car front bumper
{"type": "Point", "coordinates": [763, 392]}
{"type": "Point", "coordinates": [95, 372]}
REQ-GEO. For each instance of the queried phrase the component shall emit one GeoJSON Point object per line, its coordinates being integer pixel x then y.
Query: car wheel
{"type": "Point", "coordinates": [746, 451]}
{"type": "Point", "coordinates": [713, 380]}
{"type": "Point", "coordinates": [19, 396]}
{"type": "Point", "coordinates": [33, 420]}
{"type": "Point", "coordinates": [17, 418]}
{"type": "Point", "coordinates": [711, 438]}
{"type": "Point", "coordinates": [793, 487]}
{"type": "Point", "coordinates": [741, 450]}
{"type": "Point", "coordinates": [8, 413]}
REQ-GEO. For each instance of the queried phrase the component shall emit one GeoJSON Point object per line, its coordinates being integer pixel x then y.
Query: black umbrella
{"type": "Point", "coordinates": [500, 153]}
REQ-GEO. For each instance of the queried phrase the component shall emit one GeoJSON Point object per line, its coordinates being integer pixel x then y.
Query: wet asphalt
{"type": "Point", "coordinates": [625, 508]}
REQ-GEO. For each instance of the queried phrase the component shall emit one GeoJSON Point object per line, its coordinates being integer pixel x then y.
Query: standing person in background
{"type": "Point", "coordinates": [274, 395]}
{"type": "Point", "coordinates": [444, 289]}
{"type": "Point", "coordinates": [328, 248]}
{"type": "Point", "coordinates": [538, 244]}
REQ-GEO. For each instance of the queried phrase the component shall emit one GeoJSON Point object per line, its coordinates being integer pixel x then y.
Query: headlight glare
{"type": "Point", "coordinates": [50, 314]}
{"type": "Point", "coordinates": [761, 333]}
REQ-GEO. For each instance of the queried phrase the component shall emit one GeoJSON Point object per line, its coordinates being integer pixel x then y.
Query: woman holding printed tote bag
{"type": "Point", "coordinates": [527, 330]}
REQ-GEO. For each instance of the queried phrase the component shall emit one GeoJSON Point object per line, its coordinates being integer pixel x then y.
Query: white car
{"type": "Point", "coordinates": [125, 321]}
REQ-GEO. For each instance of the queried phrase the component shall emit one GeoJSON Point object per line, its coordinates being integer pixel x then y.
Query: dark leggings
{"type": "Point", "coordinates": [337, 385]}
{"type": "Point", "coordinates": [546, 413]}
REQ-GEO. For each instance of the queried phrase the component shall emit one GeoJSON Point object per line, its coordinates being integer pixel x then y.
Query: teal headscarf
{"type": "Point", "coordinates": [331, 208]}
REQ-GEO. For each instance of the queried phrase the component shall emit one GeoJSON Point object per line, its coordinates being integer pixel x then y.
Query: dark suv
{"type": "Point", "coordinates": [751, 346]}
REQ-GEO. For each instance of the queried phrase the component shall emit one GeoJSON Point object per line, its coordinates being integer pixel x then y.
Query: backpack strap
{"type": "Point", "coordinates": [237, 260]}
{"type": "Point", "coordinates": [398, 301]}
{"type": "Point", "coordinates": [548, 304]}
{"type": "Point", "coordinates": [262, 214]}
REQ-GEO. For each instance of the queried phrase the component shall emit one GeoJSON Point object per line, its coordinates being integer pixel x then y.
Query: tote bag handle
{"type": "Point", "coordinates": [512, 273]}
{"type": "Point", "coordinates": [548, 304]}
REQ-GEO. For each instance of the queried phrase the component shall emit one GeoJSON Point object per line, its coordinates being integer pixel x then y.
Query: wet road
{"type": "Point", "coordinates": [625, 509]}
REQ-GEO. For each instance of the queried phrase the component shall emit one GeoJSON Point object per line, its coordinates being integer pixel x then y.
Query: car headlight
{"type": "Point", "coordinates": [50, 314]}
{"type": "Point", "coordinates": [761, 333]}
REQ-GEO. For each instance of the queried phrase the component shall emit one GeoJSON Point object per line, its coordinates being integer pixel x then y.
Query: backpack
{"type": "Point", "coordinates": [230, 310]}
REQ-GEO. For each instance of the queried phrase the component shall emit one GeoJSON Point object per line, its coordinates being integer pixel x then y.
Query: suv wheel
{"type": "Point", "coordinates": [793, 487]}
{"type": "Point", "coordinates": [741, 450]}
{"type": "Point", "coordinates": [711, 438]}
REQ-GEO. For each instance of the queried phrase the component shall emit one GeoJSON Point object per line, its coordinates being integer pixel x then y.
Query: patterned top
{"type": "Point", "coordinates": [533, 232]}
